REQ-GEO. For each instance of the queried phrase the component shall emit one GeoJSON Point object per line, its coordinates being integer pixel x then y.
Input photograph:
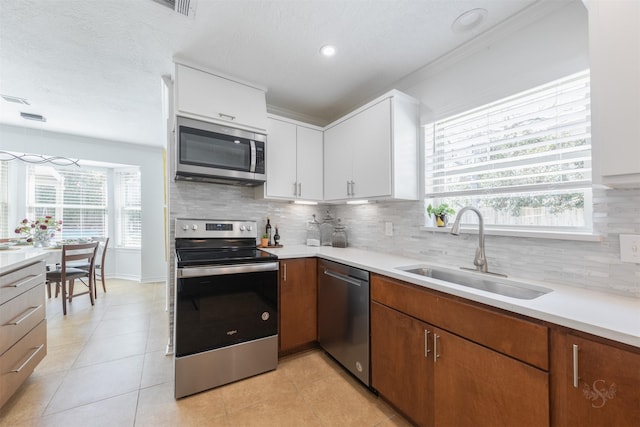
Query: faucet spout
{"type": "Point", "coordinates": [480, 259]}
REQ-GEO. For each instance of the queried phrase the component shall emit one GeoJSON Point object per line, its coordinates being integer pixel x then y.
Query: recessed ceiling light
{"type": "Point", "coordinates": [328, 50]}
{"type": "Point", "coordinates": [469, 20]}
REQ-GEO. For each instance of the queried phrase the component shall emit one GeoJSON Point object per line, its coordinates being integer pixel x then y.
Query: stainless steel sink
{"type": "Point", "coordinates": [481, 281]}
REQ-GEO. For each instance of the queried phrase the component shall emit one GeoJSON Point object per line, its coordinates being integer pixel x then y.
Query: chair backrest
{"type": "Point", "coordinates": [76, 252]}
{"type": "Point", "coordinates": [104, 242]}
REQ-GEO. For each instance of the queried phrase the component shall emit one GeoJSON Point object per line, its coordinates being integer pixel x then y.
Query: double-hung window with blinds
{"type": "Point", "coordinates": [524, 161]}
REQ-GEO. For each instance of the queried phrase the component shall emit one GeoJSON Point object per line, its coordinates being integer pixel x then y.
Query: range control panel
{"type": "Point", "coordinates": [214, 228]}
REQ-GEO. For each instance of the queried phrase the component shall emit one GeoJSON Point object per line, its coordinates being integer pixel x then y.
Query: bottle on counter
{"type": "Point", "coordinates": [276, 237]}
{"type": "Point", "coordinates": [267, 231]}
{"type": "Point", "coordinates": [313, 232]}
{"type": "Point", "coordinates": [326, 229]}
{"type": "Point", "coordinates": [339, 237]}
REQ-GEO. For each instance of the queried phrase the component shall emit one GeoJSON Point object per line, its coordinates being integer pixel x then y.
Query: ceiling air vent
{"type": "Point", "coordinates": [183, 7]}
{"type": "Point", "coordinates": [36, 117]}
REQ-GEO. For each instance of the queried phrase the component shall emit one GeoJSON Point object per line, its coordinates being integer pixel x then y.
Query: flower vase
{"type": "Point", "coordinates": [41, 238]}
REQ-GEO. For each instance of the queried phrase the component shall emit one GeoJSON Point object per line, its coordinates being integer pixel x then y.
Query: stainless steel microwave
{"type": "Point", "coordinates": [218, 153]}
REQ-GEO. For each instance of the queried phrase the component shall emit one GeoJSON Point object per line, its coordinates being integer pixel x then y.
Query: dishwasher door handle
{"type": "Point", "coordinates": [342, 277]}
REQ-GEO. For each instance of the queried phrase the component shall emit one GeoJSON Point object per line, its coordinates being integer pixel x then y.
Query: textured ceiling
{"type": "Point", "coordinates": [93, 67]}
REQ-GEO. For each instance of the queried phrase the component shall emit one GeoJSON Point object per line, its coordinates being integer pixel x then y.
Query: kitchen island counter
{"type": "Point", "coordinates": [18, 257]}
{"type": "Point", "coordinates": [610, 316]}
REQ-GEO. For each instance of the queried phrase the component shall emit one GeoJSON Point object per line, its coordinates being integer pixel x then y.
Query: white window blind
{"type": "Point", "coordinates": [523, 160]}
{"type": "Point", "coordinates": [129, 208]}
{"type": "Point", "coordinates": [78, 196]}
{"type": "Point", "coordinates": [4, 199]}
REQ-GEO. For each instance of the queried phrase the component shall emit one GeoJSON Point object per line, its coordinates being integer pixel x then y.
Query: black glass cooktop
{"type": "Point", "coordinates": [200, 257]}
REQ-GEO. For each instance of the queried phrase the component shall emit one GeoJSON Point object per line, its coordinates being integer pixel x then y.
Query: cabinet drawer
{"type": "Point", "coordinates": [512, 336]}
{"type": "Point", "coordinates": [19, 315]}
{"type": "Point", "coordinates": [21, 280]}
{"type": "Point", "coordinates": [17, 363]}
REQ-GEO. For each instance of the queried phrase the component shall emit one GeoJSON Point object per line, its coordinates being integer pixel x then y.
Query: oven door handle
{"type": "Point", "coordinates": [220, 270]}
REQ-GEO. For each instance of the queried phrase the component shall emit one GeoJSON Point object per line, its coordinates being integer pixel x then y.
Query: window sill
{"type": "Point", "coordinates": [554, 235]}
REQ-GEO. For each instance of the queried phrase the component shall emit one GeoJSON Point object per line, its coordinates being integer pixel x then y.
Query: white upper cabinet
{"type": "Point", "coordinates": [294, 161]}
{"type": "Point", "coordinates": [372, 153]}
{"type": "Point", "coordinates": [206, 96]}
{"type": "Point", "coordinates": [614, 51]}
{"type": "Point", "coordinates": [309, 163]}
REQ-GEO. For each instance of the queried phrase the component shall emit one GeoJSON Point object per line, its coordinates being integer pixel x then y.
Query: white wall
{"type": "Point", "coordinates": [147, 264]}
{"type": "Point", "coordinates": [503, 63]}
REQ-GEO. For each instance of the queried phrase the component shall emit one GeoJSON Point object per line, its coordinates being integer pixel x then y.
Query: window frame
{"type": "Point", "coordinates": [544, 230]}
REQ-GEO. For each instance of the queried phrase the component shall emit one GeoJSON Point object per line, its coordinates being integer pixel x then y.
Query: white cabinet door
{"type": "Point", "coordinates": [372, 152]}
{"type": "Point", "coordinates": [309, 161]}
{"type": "Point", "coordinates": [614, 52]}
{"type": "Point", "coordinates": [281, 159]}
{"type": "Point", "coordinates": [203, 95]}
{"type": "Point", "coordinates": [338, 160]}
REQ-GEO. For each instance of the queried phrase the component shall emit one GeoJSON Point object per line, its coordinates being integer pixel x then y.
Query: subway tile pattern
{"type": "Point", "coordinates": [592, 265]}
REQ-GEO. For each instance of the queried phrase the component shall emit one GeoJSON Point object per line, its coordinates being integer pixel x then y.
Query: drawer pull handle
{"type": "Point", "coordinates": [226, 116]}
{"type": "Point", "coordinates": [21, 282]}
{"type": "Point", "coordinates": [575, 365]}
{"type": "Point", "coordinates": [435, 347]}
{"type": "Point", "coordinates": [26, 362]}
{"type": "Point", "coordinates": [25, 316]}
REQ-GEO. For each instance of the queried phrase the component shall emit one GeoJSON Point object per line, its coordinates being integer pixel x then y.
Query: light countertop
{"type": "Point", "coordinates": [610, 316]}
{"type": "Point", "coordinates": [20, 256]}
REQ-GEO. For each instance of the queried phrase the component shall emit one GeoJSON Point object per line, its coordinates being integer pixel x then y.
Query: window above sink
{"type": "Point", "coordinates": [524, 161]}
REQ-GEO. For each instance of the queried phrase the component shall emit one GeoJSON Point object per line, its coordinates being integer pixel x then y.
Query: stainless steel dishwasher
{"type": "Point", "coordinates": [343, 316]}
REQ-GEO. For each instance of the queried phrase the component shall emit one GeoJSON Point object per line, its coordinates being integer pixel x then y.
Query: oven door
{"type": "Point", "coordinates": [219, 306]}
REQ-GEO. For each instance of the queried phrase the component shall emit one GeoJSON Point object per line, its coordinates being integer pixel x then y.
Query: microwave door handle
{"type": "Point", "coordinates": [253, 156]}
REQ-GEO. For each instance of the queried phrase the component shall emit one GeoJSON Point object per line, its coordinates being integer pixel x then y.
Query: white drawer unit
{"type": "Point", "coordinates": [21, 315]}
{"type": "Point", "coordinates": [15, 282]}
{"type": "Point", "coordinates": [23, 327]}
{"type": "Point", "coordinates": [17, 363]}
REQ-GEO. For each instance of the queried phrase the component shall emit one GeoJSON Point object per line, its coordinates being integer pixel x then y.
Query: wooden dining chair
{"type": "Point", "coordinates": [84, 252]}
{"type": "Point", "coordinates": [102, 254]}
{"type": "Point", "coordinates": [99, 263]}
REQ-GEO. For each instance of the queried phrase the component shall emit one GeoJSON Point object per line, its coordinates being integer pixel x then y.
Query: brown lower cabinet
{"type": "Point", "coordinates": [298, 303]}
{"type": "Point", "coordinates": [438, 378]}
{"type": "Point", "coordinates": [594, 383]}
{"type": "Point", "coordinates": [401, 368]}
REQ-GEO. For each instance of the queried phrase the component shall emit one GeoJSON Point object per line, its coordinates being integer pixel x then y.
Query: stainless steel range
{"type": "Point", "coordinates": [226, 308]}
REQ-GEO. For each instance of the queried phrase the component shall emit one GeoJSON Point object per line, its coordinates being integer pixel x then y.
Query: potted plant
{"type": "Point", "coordinates": [441, 213]}
{"type": "Point", "coordinates": [264, 242]}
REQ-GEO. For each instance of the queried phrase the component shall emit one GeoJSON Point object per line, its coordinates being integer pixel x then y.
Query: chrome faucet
{"type": "Point", "coordinates": [480, 260]}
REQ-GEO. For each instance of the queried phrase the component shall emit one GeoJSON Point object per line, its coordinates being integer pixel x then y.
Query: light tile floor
{"type": "Point", "coordinates": [106, 366]}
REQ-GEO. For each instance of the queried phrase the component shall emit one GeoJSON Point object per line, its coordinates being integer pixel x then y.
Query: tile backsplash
{"type": "Point", "coordinates": [594, 265]}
